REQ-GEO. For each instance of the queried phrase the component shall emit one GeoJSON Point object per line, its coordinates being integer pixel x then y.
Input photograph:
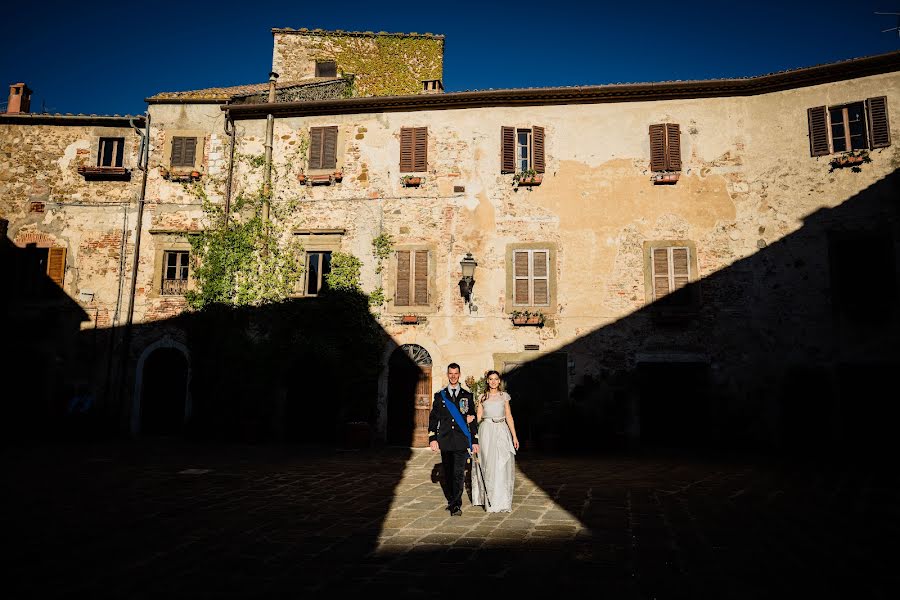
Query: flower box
{"type": "Point", "coordinates": [321, 179]}
{"type": "Point", "coordinates": [532, 320]}
{"type": "Point", "coordinates": [411, 181]}
{"type": "Point", "coordinates": [665, 178]}
{"type": "Point", "coordinates": [852, 159]}
{"type": "Point", "coordinates": [409, 319]}
{"type": "Point", "coordinates": [530, 180]}
{"type": "Point", "coordinates": [95, 173]}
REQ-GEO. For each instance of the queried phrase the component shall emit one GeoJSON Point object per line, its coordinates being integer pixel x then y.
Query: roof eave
{"type": "Point", "coordinates": [632, 92]}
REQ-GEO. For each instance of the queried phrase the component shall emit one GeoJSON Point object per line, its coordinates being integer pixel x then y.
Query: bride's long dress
{"type": "Point", "coordinates": [497, 458]}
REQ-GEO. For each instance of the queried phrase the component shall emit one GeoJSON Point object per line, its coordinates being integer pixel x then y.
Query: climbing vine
{"type": "Point", "coordinates": [385, 65]}
{"type": "Point", "coordinates": [344, 275]}
{"type": "Point", "coordinates": [242, 262]}
{"type": "Point", "coordinates": [382, 246]}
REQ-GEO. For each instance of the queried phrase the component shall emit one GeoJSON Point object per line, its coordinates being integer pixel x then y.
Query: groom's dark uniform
{"type": "Point", "coordinates": [442, 427]}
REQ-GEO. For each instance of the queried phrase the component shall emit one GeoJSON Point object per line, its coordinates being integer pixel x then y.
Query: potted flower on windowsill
{"type": "Point", "coordinates": [528, 177]}
{"type": "Point", "coordinates": [666, 177]}
{"type": "Point", "coordinates": [527, 317]}
{"type": "Point", "coordinates": [338, 176]}
{"type": "Point", "coordinates": [412, 180]}
{"type": "Point", "coordinates": [851, 159]}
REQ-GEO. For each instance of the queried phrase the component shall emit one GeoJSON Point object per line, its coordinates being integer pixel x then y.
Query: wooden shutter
{"type": "Point", "coordinates": [660, 265]}
{"type": "Point", "coordinates": [681, 270]}
{"type": "Point", "coordinates": [520, 278]}
{"type": "Point", "coordinates": [329, 148]}
{"type": "Point", "coordinates": [540, 271]}
{"type": "Point", "coordinates": [413, 149]}
{"type": "Point", "coordinates": [407, 136]}
{"type": "Point", "coordinates": [56, 265]}
{"type": "Point", "coordinates": [421, 278]}
{"type": "Point", "coordinates": [323, 147]}
{"type": "Point", "coordinates": [420, 147]}
{"type": "Point", "coordinates": [190, 151]}
{"type": "Point", "coordinates": [401, 294]}
{"type": "Point", "coordinates": [879, 125]}
{"type": "Point", "coordinates": [537, 141]}
{"type": "Point", "coordinates": [818, 131]}
{"type": "Point", "coordinates": [177, 157]}
{"type": "Point", "coordinates": [673, 147]}
{"type": "Point", "coordinates": [658, 147]}
{"type": "Point", "coordinates": [507, 149]}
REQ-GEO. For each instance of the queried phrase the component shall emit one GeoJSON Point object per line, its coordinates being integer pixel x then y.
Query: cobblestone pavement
{"type": "Point", "coordinates": [191, 521]}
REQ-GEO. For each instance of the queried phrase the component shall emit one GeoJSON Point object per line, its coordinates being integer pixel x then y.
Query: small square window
{"type": "Point", "coordinates": [326, 68]}
{"type": "Point", "coordinates": [110, 152]}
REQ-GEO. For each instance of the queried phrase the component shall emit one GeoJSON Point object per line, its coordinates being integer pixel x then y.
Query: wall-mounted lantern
{"type": "Point", "coordinates": [467, 282]}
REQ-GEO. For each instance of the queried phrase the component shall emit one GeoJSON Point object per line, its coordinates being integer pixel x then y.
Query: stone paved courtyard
{"type": "Point", "coordinates": [203, 521]}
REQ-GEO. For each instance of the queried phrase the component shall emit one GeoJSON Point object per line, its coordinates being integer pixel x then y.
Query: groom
{"type": "Point", "coordinates": [449, 432]}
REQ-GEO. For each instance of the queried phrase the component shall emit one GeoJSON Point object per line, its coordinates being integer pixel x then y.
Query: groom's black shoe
{"type": "Point", "coordinates": [456, 512]}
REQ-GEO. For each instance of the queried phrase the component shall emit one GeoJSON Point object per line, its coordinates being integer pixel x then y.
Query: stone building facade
{"type": "Point", "coordinates": [700, 258]}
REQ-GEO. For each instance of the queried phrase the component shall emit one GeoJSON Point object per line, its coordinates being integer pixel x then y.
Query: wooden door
{"type": "Point", "coordinates": [423, 407]}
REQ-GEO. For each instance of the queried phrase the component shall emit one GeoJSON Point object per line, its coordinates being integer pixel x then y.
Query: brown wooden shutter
{"type": "Point", "coordinates": [507, 149]}
{"type": "Point", "coordinates": [407, 136]}
{"type": "Point", "coordinates": [177, 158]}
{"type": "Point", "coordinates": [681, 271]}
{"type": "Point", "coordinates": [540, 278]}
{"type": "Point", "coordinates": [879, 125]}
{"type": "Point", "coordinates": [538, 143]}
{"type": "Point", "coordinates": [316, 145]}
{"type": "Point", "coordinates": [521, 278]}
{"type": "Point", "coordinates": [421, 278]}
{"type": "Point", "coordinates": [660, 272]}
{"type": "Point", "coordinates": [190, 151]}
{"type": "Point", "coordinates": [420, 147]}
{"type": "Point", "coordinates": [329, 148]}
{"type": "Point", "coordinates": [818, 131]}
{"type": "Point", "coordinates": [658, 147]}
{"type": "Point", "coordinates": [673, 147]}
{"type": "Point", "coordinates": [401, 294]}
{"type": "Point", "coordinates": [56, 265]}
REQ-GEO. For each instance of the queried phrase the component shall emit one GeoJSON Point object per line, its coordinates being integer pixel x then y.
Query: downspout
{"type": "Point", "coordinates": [143, 161]}
{"type": "Point", "coordinates": [230, 132]}
{"type": "Point", "coordinates": [270, 133]}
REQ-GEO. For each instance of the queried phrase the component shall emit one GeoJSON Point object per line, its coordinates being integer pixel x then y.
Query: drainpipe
{"type": "Point", "coordinates": [270, 133]}
{"type": "Point", "coordinates": [143, 161]}
{"type": "Point", "coordinates": [230, 132]}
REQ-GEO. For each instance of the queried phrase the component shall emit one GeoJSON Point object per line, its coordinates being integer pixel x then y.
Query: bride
{"type": "Point", "coordinates": [493, 482]}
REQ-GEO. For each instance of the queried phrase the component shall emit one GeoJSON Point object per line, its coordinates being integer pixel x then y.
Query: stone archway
{"type": "Point", "coordinates": [409, 396]}
{"type": "Point", "coordinates": [162, 400]}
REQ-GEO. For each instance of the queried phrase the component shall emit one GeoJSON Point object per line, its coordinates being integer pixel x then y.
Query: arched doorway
{"type": "Point", "coordinates": [163, 401]}
{"type": "Point", "coordinates": [409, 396]}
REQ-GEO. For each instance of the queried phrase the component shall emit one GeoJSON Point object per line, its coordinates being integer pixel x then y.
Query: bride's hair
{"type": "Point", "coordinates": [487, 387]}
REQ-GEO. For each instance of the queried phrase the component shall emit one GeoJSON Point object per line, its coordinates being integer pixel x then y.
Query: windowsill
{"type": "Point", "coordinates": [104, 173]}
{"type": "Point", "coordinates": [180, 174]}
{"type": "Point", "coordinates": [533, 180]}
{"type": "Point", "coordinates": [665, 177]}
{"type": "Point", "coordinates": [321, 177]}
{"type": "Point", "coordinates": [674, 315]}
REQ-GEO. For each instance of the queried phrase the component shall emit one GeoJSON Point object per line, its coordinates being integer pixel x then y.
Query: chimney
{"type": "Point", "coordinates": [19, 99]}
{"type": "Point", "coordinates": [432, 86]}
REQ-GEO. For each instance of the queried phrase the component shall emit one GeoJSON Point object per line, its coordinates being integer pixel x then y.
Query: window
{"type": "Point", "coordinates": [862, 125]}
{"type": "Point", "coordinates": [412, 278]}
{"type": "Point", "coordinates": [175, 273]}
{"type": "Point", "coordinates": [36, 266]}
{"type": "Point", "coordinates": [110, 152]}
{"type": "Point", "coordinates": [669, 267]}
{"type": "Point", "coordinates": [531, 277]}
{"type": "Point", "coordinates": [665, 147]}
{"type": "Point", "coordinates": [184, 151]}
{"type": "Point", "coordinates": [318, 264]}
{"type": "Point", "coordinates": [522, 150]}
{"type": "Point", "coordinates": [323, 147]}
{"type": "Point", "coordinates": [326, 68]}
{"type": "Point", "coordinates": [413, 149]}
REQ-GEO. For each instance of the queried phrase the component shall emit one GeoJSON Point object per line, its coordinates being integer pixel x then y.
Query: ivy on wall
{"type": "Point", "coordinates": [385, 65]}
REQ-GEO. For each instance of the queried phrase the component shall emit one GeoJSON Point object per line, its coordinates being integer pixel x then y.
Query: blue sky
{"type": "Point", "coordinates": [105, 58]}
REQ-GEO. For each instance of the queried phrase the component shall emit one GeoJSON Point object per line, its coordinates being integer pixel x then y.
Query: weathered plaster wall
{"type": "Point", "coordinates": [384, 64]}
{"type": "Point", "coordinates": [747, 182]}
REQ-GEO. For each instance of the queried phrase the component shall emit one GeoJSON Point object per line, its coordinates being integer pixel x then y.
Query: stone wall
{"type": "Point", "coordinates": [383, 64]}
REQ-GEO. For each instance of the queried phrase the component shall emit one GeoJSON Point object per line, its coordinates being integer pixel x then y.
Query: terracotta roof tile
{"type": "Point", "coordinates": [229, 92]}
